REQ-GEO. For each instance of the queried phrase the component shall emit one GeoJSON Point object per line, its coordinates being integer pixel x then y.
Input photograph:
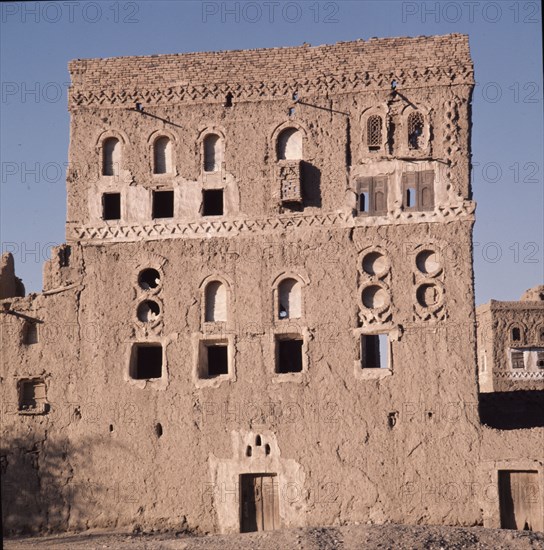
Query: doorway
{"type": "Point", "coordinates": [520, 500]}
{"type": "Point", "coordinates": [259, 502]}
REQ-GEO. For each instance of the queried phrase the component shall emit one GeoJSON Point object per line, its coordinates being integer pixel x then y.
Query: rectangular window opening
{"type": "Point", "coordinates": [111, 206]}
{"type": "Point", "coordinates": [372, 195]}
{"type": "Point", "coordinates": [517, 358]}
{"type": "Point", "coordinates": [418, 190]}
{"type": "Point", "coordinates": [212, 202]}
{"type": "Point", "coordinates": [30, 333]}
{"type": "Point", "coordinates": [163, 204]}
{"type": "Point", "coordinates": [289, 355]}
{"type": "Point", "coordinates": [218, 360]}
{"type": "Point", "coordinates": [146, 361]}
{"type": "Point", "coordinates": [374, 351]}
{"type": "Point", "coordinates": [32, 396]}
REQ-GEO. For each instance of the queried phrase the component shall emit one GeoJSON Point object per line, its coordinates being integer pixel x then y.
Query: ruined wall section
{"type": "Point", "coordinates": [10, 285]}
{"type": "Point", "coordinates": [42, 364]}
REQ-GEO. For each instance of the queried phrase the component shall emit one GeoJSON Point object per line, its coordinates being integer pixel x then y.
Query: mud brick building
{"type": "Point", "coordinates": [511, 343]}
{"type": "Point", "coordinates": [263, 315]}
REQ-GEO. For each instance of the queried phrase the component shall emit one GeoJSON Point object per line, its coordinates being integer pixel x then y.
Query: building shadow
{"type": "Point", "coordinates": [512, 410]}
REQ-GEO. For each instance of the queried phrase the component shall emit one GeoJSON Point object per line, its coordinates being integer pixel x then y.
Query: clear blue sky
{"type": "Point", "coordinates": [38, 39]}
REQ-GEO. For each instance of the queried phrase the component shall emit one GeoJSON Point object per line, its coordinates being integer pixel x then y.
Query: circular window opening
{"type": "Point", "coordinates": [375, 263]}
{"type": "Point", "coordinates": [148, 311]}
{"type": "Point", "coordinates": [427, 261]}
{"type": "Point", "coordinates": [374, 296]}
{"type": "Point", "coordinates": [428, 295]}
{"type": "Point", "coordinates": [149, 279]}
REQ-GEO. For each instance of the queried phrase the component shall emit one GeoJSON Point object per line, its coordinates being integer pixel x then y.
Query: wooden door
{"type": "Point", "coordinates": [259, 503]}
{"type": "Point", "coordinates": [520, 500]}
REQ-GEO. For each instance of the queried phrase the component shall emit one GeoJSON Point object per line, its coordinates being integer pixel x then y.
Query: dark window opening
{"type": "Point", "coordinates": [374, 351]}
{"type": "Point", "coordinates": [32, 396]}
{"type": "Point", "coordinates": [249, 451]}
{"type": "Point", "coordinates": [30, 333]}
{"type": "Point", "coordinates": [258, 442]}
{"type": "Point", "coordinates": [146, 361]}
{"type": "Point", "coordinates": [267, 449]}
{"type": "Point", "coordinates": [149, 278]}
{"type": "Point", "coordinates": [218, 360]}
{"type": "Point", "coordinates": [516, 334]}
{"type": "Point", "coordinates": [289, 355]}
{"type": "Point", "coordinates": [158, 429]}
{"type": "Point", "coordinates": [163, 204]}
{"type": "Point", "coordinates": [540, 359]}
{"type": "Point", "coordinates": [213, 202]}
{"type": "Point", "coordinates": [228, 100]}
{"type": "Point", "coordinates": [148, 311]}
{"type": "Point", "coordinates": [64, 255]}
{"type": "Point", "coordinates": [364, 202]}
{"type": "Point", "coordinates": [111, 206]}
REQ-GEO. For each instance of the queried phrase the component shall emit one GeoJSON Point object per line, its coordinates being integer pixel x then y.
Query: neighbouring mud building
{"type": "Point", "coordinates": [263, 315]}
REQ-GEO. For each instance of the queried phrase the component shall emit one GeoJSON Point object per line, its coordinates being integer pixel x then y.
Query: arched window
{"type": "Point", "coordinates": [213, 153]}
{"type": "Point", "coordinates": [415, 130]}
{"type": "Point", "coordinates": [216, 302]}
{"type": "Point", "coordinates": [374, 130]}
{"type": "Point", "coordinates": [162, 156]}
{"type": "Point", "coordinates": [516, 334]}
{"type": "Point", "coordinates": [290, 299]}
{"type": "Point", "coordinates": [289, 144]}
{"type": "Point", "coordinates": [111, 157]}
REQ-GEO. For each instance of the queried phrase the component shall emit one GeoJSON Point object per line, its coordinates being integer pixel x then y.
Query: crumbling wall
{"type": "Point", "coordinates": [10, 285]}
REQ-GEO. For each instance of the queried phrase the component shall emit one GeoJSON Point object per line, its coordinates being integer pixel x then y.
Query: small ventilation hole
{"type": "Point", "coordinates": [267, 449]}
{"type": "Point", "coordinates": [258, 441]}
{"type": "Point", "coordinates": [158, 429]}
{"type": "Point", "coordinates": [111, 428]}
{"type": "Point", "coordinates": [248, 451]}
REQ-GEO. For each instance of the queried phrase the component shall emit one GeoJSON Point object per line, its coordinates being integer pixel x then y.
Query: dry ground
{"type": "Point", "coordinates": [354, 537]}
